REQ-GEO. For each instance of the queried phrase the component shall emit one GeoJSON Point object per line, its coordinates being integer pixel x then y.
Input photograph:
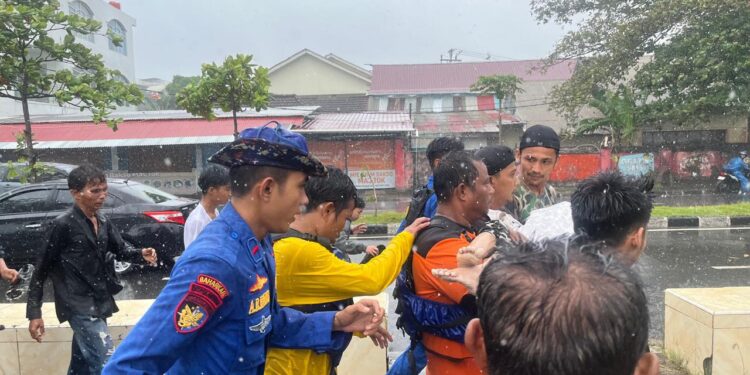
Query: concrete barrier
{"type": "Point", "coordinates": [20, 354]}
{"type": "Point", "coordinates": [709, 328]}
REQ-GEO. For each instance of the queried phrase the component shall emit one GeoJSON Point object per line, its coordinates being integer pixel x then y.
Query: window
{"type": "Point", "coordinates": [115, 28]}
{"type": "Point", "coordinates": [150, 194]}
{"type": "Point", "coordinates": [396, 104]}
{"type": "Point", "coordinates": [27, 201]}
{"type": "Point", "coordinates": [459, 103]}
{"type": "Point", "coordinates": [64, 200]}
{"type": "Point", "coordinates": [509, 105]}
{"type": "Point", "coordinates": [82, 10]}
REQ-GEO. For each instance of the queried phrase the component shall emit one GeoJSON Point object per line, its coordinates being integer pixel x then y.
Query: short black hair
{"type": "Point", "coordinates": [439, 147]}
{"type": "Point", "coordinates": [213, 176]}
{"type": "Point", "coordinates": [557, 308]}
{"type": "Point", "coordinates": [84, 175]}
{"type": "Point", "coordinates": [359, 203]}
{"type": "Point", "coordinates": [244, 177]}
{"type": "Point", "coordinates": [609, 206]}
{"type": "Point", "coordinates": [456, 168]}
{"type": "Point", "coordinates": [337, 187]}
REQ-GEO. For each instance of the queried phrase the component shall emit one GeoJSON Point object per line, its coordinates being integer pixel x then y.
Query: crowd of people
{"type": "Point", "coordinates": [266, 284]}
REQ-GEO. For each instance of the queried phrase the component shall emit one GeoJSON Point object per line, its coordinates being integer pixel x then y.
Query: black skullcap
{"type": "Point", "coordinates": [496, 158]}
{"type": "Point", "coordinates": [540, 136]}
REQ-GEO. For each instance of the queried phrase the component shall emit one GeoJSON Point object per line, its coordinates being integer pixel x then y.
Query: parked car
{"type": "Point", "coordinates": [145, 216]}
{"type": "Point", "coordinates": [50, 171]}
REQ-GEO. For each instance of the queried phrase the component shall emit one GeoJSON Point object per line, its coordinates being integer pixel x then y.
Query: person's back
{"type": "Point", "coordinates": [554, 308]}
{"type": "Point", "coordinates": [314, 276]}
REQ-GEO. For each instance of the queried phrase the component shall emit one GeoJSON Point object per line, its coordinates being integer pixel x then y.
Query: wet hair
{"type": "Point", "coordinates": [359, 203]}
{"type": "Point", "coordinates": [609, 206]}
{"type": "Point", "coordinates": [337, 188]}
{"type": "Point", "coordinates": [84, 175]}
{"type": "Point", "coordinates": [213, 176]}
{"type": "Point", "coordinates": [243, 178]}
{"type": "Point", "coordinates": [439, 147]}
{"type": "Point", "coordinates": [455, 168]}
{"type": "Point", "coordinates": [557, 308]}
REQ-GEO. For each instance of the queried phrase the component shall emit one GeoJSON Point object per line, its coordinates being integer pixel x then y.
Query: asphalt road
{"type": "Point", "coordinates": [673, 259]}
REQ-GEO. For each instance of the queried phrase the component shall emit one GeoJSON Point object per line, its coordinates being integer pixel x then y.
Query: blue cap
{"type": "Point", "coordinates": [270, 147]}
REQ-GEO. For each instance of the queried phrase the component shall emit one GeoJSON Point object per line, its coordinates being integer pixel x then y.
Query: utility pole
{"type": "Point", "coordinates": [452, 56]}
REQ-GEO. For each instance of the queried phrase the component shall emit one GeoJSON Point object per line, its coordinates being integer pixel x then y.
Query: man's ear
{"type": "Point", "coordinates": [635, 243]}
{"type": "Point", "coordinates": [327, 209]}
{"type": "Point", "coordinates": [648, 364]}
{"type": "Point", "coordinates": [474, 340]}
{"type": "Point", "coordinates": [518, 155]}
{"type": "Point", "coordinates": [266, 188]}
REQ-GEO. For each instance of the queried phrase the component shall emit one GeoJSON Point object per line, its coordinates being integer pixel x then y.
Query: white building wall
{"type": "Point", "coordinates": [125, 63]}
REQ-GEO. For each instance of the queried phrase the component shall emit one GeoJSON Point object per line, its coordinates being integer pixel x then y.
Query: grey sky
{"type": "Point", "coordinates": [175, 37]}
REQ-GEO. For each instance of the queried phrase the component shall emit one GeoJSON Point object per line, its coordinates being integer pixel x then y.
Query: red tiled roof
{"type": "Point", "coordinates": [458, 77]}
{"type": "Point", "coordinates": [136, 133]}
{"type": "Point", "coordinates": [462, 122]}
{"type": "Point", "coordinates": [361, 122]}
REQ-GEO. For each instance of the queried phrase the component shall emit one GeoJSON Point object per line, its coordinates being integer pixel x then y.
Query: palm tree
{"type": "Point", "coordinates": [620, 116]}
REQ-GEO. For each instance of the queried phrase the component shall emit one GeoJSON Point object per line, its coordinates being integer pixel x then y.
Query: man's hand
{"type": "Point", "coordinates": [417, 225]}
{"type": "Point", "coordinates": [10, 275]}
{"type": "Point", "coordinates": [372, 250]}
{"type": "Point", "coordinates": [149, 255]}
{"type": "Point", "coordinates": [381, 337]}
{"type": "Point", "coordinates": [359, 229]}
{"type": "Point", "coordinates": [364, 316]}
{"type": "Point", "coordinates": [36, 329]}
{"type": "Point", "coordinates": [516, 236]}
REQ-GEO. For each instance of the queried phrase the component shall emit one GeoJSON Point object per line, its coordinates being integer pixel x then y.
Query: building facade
{"type": "Point", "coordinates": [117, 57]}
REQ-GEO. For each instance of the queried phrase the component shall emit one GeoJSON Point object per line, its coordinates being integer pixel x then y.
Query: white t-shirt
{"type": "Point", "coordinates": [195, 223]}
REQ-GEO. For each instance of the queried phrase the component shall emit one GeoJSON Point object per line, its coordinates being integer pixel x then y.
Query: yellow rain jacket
{"type": "Point", "coordinates": [307, 273]}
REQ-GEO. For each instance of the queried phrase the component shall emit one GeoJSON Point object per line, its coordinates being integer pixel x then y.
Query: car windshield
{"type": "Point", "coordinates": [150, 194]}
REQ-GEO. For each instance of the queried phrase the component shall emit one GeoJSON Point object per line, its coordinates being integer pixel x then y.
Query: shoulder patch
{"type": "Point", "coordinates": [214, 284]}
{"type": "Point", "coordinates": [202, 299]}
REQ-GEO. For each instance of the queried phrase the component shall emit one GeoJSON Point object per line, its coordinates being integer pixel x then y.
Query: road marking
{"type": "Point", "coordinates": [694, 229]}
{"type": "Point", "coordinates": [731, 267]}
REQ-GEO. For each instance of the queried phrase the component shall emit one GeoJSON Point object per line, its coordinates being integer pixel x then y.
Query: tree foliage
{"type": "Point", "coordinates": [499, 86]}
{"type": "Point", "coordinates": [168, 98]}
{"type": "Point", "coordinates": [620, 116]}
{"type": "Point", "coordinates": [41, 59]}
{"type": "Point", "coordinates": [232, 86]}
{"type": "Point", "coordinates": [690, 58]}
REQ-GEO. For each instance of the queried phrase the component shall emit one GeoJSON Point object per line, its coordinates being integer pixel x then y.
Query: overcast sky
{"type": "Point", "coordinates": [175, 37]}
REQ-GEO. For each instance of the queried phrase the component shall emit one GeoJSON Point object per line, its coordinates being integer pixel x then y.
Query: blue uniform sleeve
{"type": "Point", "coordinates": [430, 208]}
{"type": "Point", "coordinates": [196, 295]}
{"type": "Point", "coordinates": [296, 330]}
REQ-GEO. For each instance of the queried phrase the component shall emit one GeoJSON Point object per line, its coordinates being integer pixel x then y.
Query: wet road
{"type": "Point", "coordinates": [674, 259]}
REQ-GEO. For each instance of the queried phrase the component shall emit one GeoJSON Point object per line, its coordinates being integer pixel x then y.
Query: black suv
{"type": "Point", "coordinates": [145, 216]}
{"type": "Point", "coordinates": [50, 171]}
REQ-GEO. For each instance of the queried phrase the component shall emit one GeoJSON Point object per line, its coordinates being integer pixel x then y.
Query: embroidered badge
{"type": "Point", "coordinates": [259, 303]}
{"type": "Point", "coordinates": [260, 282]}
{"type": "Point", "coordinates": [261, 327]}
{"type": "Point", "coordinates": [201, 301]}
{"type": "Point", "coordinates": [214, 284]}
{"type": "Point", "coordinates": [190, 317]}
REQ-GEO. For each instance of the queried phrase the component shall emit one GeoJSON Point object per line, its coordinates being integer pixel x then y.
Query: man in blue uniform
{"type": "Point", "coordinates": [219, 311]}
{"type": "Point", "coordinates": [737, 167]}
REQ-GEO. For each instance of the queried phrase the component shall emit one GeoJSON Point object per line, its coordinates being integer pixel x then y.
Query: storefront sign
{"type": "Point", "coordinates": [378, 179]}
{"type": "Point", "coordinates": [636, 165]}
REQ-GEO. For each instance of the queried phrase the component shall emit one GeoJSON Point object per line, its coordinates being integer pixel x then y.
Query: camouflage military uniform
{"type": "Point", "coordinates": [525, 201]}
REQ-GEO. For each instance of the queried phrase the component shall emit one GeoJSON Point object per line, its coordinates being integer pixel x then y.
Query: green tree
{"type": "Point", "coordinates": [501, 87]}
{"type": "Point", "coordinates": [35, 37]}
{"type": "Point", "coordinates": [233, 86]}
{"type": "Point", "coordinates": [690, 58]}
{"type": "Point", "coordinates": [620, 115]}
{"type": "Point", "coordinates": [168, 98]}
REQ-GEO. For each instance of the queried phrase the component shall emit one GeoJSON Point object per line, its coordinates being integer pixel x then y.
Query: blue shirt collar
{"type": "Point", "coordinates": [240, 230]}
